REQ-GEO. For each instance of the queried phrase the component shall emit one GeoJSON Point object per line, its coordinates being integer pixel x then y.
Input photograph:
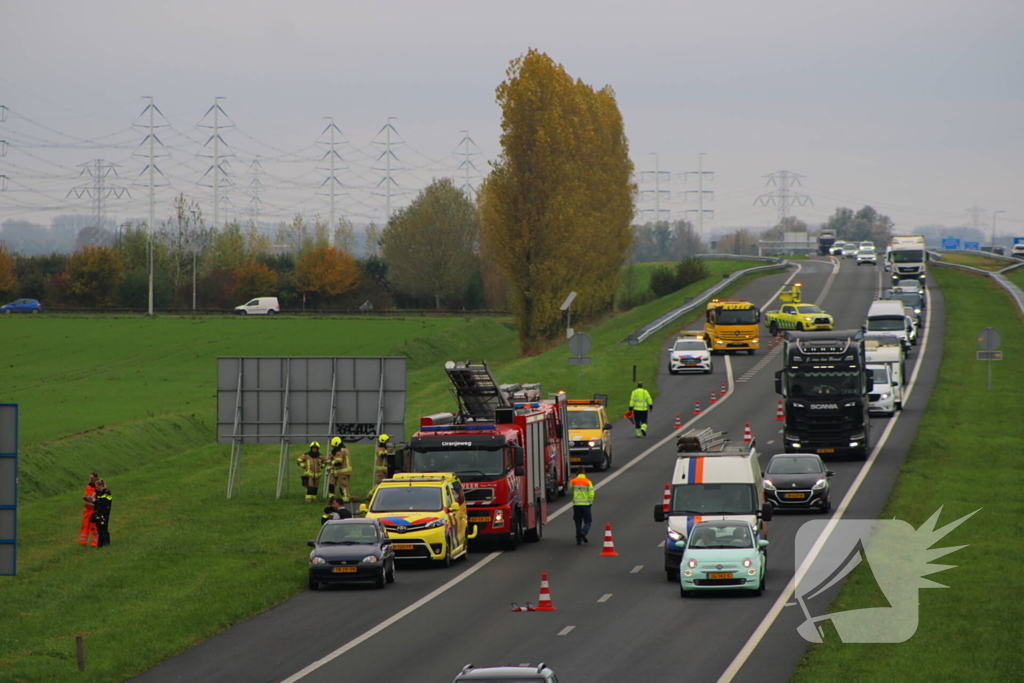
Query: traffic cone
{"type": "Point", "coordinates": [771, 343]}
{"type": "Point", "coordinates": [780, 416]}
{"type": "Point", "coordinates": [528, 607]}
{"type": "Point", "coordinates": [544, 603]}
{"type": "Point", "coordinates": [713, 399]}
{"type": "Point", "coordinates": [679, 422]}
{"type": "Point", "coordinates": [748, 437]}
{"type": "Point", "coordinates": [609, 546]}
{"type": "Point", "coordinates": [667, 500]}
{"type": "Point", "coordinates": [722, 392]}
{"type": "Point", "coordinates": [696, 407]}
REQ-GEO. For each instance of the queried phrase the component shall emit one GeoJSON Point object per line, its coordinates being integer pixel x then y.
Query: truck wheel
{"type": "Point", "coordinates": [773, 328]}
{"type": "Point", "coordinates": [446, 561]}
{"type": "Point", "coordinates": [899, 405]}
{"type": "Point", "coordinates": [800, 327]}
{"type": "Point", "coordinates": [535, 534]}
{"type": "Point", "coordinates": [513, 540]}
{"type": "Point", "coordinates": [603, 465]}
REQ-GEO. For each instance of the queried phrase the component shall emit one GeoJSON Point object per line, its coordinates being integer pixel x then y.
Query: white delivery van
{"type": "Point", "coordinates": [718, 481]}
{"type": "Point", "coordinates": [884, 355]}
{"type": "Point", "coordinates": [264, 305]}
{"type": "Point", "coordinates": [888, 316]}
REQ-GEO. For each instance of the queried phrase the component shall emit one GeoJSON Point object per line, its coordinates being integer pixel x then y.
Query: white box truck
{"type": "Point", "coordinates": [888, 370]}
{"type": "Point", "coordinates": [906, 257]}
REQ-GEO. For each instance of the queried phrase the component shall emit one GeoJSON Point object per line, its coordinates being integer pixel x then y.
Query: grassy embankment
{"type": "Point", "coordinates": [966, 456]}
{"type": "Point", "coordinates": [179, 547]}
{"type": "Point", "coordinates": [1016, 276]}
{"type": "Point", "coordinates": [975, 261]}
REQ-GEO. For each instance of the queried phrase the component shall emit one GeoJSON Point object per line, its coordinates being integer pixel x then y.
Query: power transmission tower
{"type": "Point", "coordinates": [99, 189]}
{"type": "Point", "coordinates": [332, 157]}
{"type": "Point", "coordinates": [467, 166]}
{"type": "Point", "coordinates": [784, 196]}
{"type": "Point", "coordinates": [700, 192]}
{"type": "Point", "coordinates": [387, 155]}
{"type": "Point", "coordinates": [255, 187]}
{"type": "Point", "coordinates": [3, 149]}
{"type": "Point", "coordinates": [976, 213]}
{"type": "Point", "coordinates": [217, 168]}
{"type": "Point", "coordinates": [656, 176]}
{"type": "Point", "coordinates": [151, 140]}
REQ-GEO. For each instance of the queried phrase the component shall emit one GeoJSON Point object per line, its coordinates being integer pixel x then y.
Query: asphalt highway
{"type": "Point", "coordinates": [618, 618]}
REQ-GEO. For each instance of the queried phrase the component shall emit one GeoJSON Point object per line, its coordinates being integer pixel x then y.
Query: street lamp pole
{"type": "Point", "coordinates": [994, 213]}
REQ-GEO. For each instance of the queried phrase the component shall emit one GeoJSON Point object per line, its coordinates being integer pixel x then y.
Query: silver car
{"type": "Point", "coordinates": [866, 256]}
{"type": "Point", "coordinates": [512, 674]}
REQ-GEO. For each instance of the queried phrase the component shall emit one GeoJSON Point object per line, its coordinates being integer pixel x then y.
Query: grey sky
{"type": "Point", "coordinates": [912, 106]}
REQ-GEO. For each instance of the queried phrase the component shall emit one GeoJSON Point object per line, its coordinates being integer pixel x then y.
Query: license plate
{"type": "Point", "coordinates": [479, 519]}
{"type": "Point", "coordinates": [403, 546]}
{"type": "Point", "coordinates": [720, 576]}
{"type": "Point", "coordinates": [826, 450]}
{"type": "Point", "coordinates": [792, 495]}
{"type": "Point", "coordinates": [344, 570]}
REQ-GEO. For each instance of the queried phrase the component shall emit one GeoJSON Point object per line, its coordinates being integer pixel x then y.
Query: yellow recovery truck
{"type": "Point", "coordinates": [732, 325]}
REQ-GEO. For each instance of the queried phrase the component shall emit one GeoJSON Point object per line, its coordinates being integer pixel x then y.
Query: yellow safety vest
{"type": "Point", "coordinates": [640, 399]}
{"type": "Point", "coordinates": [582, 491]}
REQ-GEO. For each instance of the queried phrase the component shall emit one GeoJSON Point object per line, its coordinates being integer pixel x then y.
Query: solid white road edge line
{"type": "Point", "coordinates": [755, 638]}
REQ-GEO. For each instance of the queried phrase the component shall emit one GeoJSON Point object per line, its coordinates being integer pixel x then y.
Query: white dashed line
{"type": "Point", "coordinates": [604, 598]}
{"type": "Point", "coordinates": [771, 442]}
{"type": "Point", "coordinates": [636, 569]}
{"type": "Point", "coordinates": [565, 631]}
{"type": "Point", "coordinates": [662, 544]}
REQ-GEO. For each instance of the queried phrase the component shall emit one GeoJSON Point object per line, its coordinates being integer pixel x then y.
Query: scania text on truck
{"type": "Point", "coordinates": [825, 384]}
{"type": "Point", "coordinates": [508, 446]}
{"type": "Point", "coordinates": [826, 238]}
{"type": "Point", "coordinates": [906, 257]}
{"type": "Point", "coordinates": [732, 325]}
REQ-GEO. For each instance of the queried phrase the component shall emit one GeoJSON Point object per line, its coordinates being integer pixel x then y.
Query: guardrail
{"type": "Point", "coordinates": [638, 336]}
{"type": "Point", "coordinates": [286, 312]}
{"type": "Point", "coordinates": [1013, 290]}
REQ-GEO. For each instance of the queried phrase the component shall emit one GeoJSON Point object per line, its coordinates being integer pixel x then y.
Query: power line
{"type": "Point", "coordinates": [783, 196]}
{"type": "Point", "coordinates": [700, 192]}
{"type": "Point", "coordinates": [99, 190]}
{"type": "Point", "coordinates": [656, 176]}
{"type": "Point", "coordinates": [216, 168]}
{"type": "Point", "coordinates": [387, 155]}
{"type": "Point", "coordinates": [332, 157]}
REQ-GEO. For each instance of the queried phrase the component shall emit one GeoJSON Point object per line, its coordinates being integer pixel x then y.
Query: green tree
{"type": "Point", "coordinates": [185, 236]}
{"type": "Point", "coordinates": [255, 279]}
{"type": "Point", "coordinates": [864, 225]}
{"type": "Point", "coordinates": [431, 245]}
{"type": "Point", "coordinates": [558, 202]}
{"type": "Point", "coordinates": [8, 276]}
{"type": "Point", "coordinates": [92, 276]}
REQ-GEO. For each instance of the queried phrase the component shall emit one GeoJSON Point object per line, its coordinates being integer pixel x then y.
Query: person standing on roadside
{"type": "Point", "coordinates": [582, 501]}
{"type": "Point", "coordinates": [335, 510]}
{"type": "Point", "coordinates": [380, 459]}
{"type": "Point", "coordinates": [88, 535]}
{"type": "Point", "coordinates": [640, 402]}
{"type": "Point", "coordinates": [101, 514]}
{"type": "Point", "coordinates": [312, 467]}
{"type": "Point", "coordinates": [340, 469]}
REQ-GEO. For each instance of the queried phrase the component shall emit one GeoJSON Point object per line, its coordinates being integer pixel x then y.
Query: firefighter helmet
{"type": "Point", "coordinates": [336, 441]}
{"type": "Point", "coordinates": [315, 444]}
{"type": "Point", "coordinates": [383, 438]}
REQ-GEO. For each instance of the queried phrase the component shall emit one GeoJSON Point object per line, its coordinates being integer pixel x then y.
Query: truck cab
{"type": "Point", "coordinates": [732, 325]}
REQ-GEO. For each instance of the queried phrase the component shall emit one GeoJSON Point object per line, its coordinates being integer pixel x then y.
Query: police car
{"type": "Point", "coordinates": [690, 353]}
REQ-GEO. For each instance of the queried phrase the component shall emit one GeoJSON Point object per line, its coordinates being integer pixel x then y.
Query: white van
{"type": "Point", "coordinates": [722, 482]}
{"type": "Point", "coordinates": [264, 305]}
{"type": "Point", "coordinates": [888, 316]}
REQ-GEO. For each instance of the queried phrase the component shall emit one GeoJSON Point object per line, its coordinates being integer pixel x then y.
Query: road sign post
{"type": "Point", "coordinates": [989, 340]}
{"type": "Point", "coordinates": [579, 346]}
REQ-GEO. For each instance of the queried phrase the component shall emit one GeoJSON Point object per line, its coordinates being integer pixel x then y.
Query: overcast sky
{"type": "Point", "coordinates": [913, 106]}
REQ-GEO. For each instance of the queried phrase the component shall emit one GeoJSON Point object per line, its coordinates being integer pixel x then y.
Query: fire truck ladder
{"type": "Point", "coordinates": [475, 390]}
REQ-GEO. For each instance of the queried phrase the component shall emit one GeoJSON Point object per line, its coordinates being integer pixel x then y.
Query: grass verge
{"type": "Point", "coordinates": [966, 456]}
{"type": "Point", "coordinates": [1016, 276]}
{"type": "Point", "coordinates": [975, 261]}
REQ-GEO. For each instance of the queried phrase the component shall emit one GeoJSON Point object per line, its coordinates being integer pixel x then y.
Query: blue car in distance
{"type": "Point", "coordinates": [22, 306]}
{"type": "Point", "coordinates": [722, 555]}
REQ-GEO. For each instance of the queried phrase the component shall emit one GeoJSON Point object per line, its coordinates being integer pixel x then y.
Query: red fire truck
{"type": "Point", "coordinates": [507, 445]}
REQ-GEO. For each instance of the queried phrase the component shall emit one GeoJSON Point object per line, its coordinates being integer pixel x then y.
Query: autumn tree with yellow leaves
{"type": "Point", "coordinates": [556, 208]}
{"type": "Point", "coordinates": [325, 272]}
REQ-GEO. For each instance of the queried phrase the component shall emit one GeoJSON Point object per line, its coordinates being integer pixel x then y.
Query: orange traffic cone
{"type": "Point", "coordinates": [771, 343]}
{"type": "Point", "coordinates": [696, 407]}
{"type": "Point", "coordinates": [679, 422]}
{"type": "Point", "coordinates": [667, 500]}
{"type": "Point", "coordinates": [748, 437]}
{"type": "Point", "coordinates": [722, 392]}
{"type": "Point", "coordinates": [780, 416]}
{"type": "Point", "coordinates": [544, 603]}
{"type": "Point", "coordinates": [609, 546]}
{"type": "Point", "coordinates": [713, 399]}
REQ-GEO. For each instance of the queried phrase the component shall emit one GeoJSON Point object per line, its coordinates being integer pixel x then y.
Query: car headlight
{"type": "Point", "coordinates": [317, 560]}
{"type": "Point", "coordinates": [917, 310]}
{"type": "Point", "coordinates": [884, 396]}
{"type": "Point", "coordinates": [819, 485]}
{"type": "Point", "coordinates": [594, 443]}
{"type": "Point", "coordinates": [675, 535]}
{"type": "Point", "coordinates": [747, 562]}
{"type": "Point", "coordinates": [719, 341]}
{"type": "Point", "coordinates": [768, 485]}
{"type": "Point", "coordinates": [692, 563]}
{"type": "Point", "coordinates": [436, 523]}
{"type": "Point", "coordinates": [808, 318]}
{"type": "Point", "coordinates": [370, 559]}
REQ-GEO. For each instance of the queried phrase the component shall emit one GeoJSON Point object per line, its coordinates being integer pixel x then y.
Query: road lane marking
{"type": "Point", "coordinates": [748, 648]}
{"type": "Point", "coordinates": [771, 442]}
{"type": "Point", "coordinates": [604, 598]}
{"type": "Point", "coordinates": [661, 545]}
{"type": "Point", "coordinates": [637, 568]}
{"type": "Point", "coordinates": [565, 631]}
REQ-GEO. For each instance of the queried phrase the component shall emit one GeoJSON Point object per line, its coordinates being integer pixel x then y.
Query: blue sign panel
{"type": "Point", "coordinates": [973, 246]}
{"type": "Point", "coordinates": [1018, 240]}
{"type": "Point", "coordinates": [8, 488]}
{"type": "Point", "coordinates": [950, 243]}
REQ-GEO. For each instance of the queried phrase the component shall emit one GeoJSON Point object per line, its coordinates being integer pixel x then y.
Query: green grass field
{"type": "Point", "coordinates": [975, 261]}
{"type": "Point", "coordinates": [134, 399]}
{"type": "Point", "coordinates": [635, 279]}
{"type": "Point", "coordinates": [966, 456]}
{"type": "Point", "coordinates": [1016, 276]}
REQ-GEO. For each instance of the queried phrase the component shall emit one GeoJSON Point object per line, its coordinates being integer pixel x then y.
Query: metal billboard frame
{"type": "Point", "coordinates": [8, 489]}
{"type": "Point", "coordinates": [281, 399]}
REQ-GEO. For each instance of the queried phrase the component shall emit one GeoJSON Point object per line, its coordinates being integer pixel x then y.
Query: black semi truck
{"type": "Point", "coordinates": [825, 384]}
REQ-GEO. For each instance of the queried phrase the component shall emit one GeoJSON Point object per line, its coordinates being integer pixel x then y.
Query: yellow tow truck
{"type": "Point", "coordinates": [794, 315]}
{"type": "Point", "coordinates": [732, 325]}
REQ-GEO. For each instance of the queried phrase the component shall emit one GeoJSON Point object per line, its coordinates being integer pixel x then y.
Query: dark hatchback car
{"type": "Point", "coordinates": [351, 550]}
{"type": "Point", "coordinates": [22, 306]}
{"type": "Point", "coordinates": [798, 481]}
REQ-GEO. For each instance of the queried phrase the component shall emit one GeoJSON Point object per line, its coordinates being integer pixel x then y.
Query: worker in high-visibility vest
{"type": "Point", "coordinates": [582, 501]}
{"type": "Point", "coordinates": [312, 467]}
{"type": "Point", "coordinates": [640, 402]}
{"type": "Point", "coordinates": [340, 470]}
{"type": "Point", "coordinates": [89, 535]}
{"type": "Point", "coordinates": [380, 459]}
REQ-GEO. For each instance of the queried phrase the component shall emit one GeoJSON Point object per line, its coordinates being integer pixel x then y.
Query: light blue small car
{"type": "Point", "coordinates": [722, 555]}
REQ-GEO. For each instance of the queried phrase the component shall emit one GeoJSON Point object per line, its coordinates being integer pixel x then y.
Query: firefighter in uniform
{"type": "Point", "coordinates": [312, 467]}
{"type": "Point", "coordinates": [101, 513]}
{"type": "Point", "coordinates": [380, 459]}
{"type": "Point", "coordinates": [640, 402]}
{"type": "Point", "coordinates": [88, 535]}
{"type": "Point", "coordinates": [582, 500]}
{"type": "Point", "coordinates": [340, 469]}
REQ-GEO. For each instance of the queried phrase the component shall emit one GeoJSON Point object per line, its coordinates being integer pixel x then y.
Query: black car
{"type": "Point", "coordinates": [798, 480]}
{"type": "Point", "coordinates": [351, 550]}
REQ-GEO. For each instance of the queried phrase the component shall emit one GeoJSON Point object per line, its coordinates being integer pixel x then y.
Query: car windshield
{"type": "Point", "coordinates": [584, 419]}
{"type": "Point", "coordinates": [468, 463]}
{"type": "Point", "coordinates": [795, 464]}
{"type": "Point", "coordinates": [348, 533]}
{"type": "Point", "coordinates": [689, 346]}
{"type": "Point", "coordinates": [886, 324]}
{"type": "Point", "coordinates": [721, 536]}
{"type": "Point", "coordinates": [879, 375]}
{"type": "Point", "coordinates": [815, 382]}
{"type": "Point", "coordinates": [866, 252]}
{"type": "Point", "coordinates": [912, 300]}
{"type": "Point", "coordinates": [713, 499]}
{"type": "Point", "coordinates": [407, 499]}
{"type": "Point", "coordinates": [908, 256]}
{"type": "Point", "coordinates": [808, 309]}
{"type": "Point", "coordinates": [737, 316]}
